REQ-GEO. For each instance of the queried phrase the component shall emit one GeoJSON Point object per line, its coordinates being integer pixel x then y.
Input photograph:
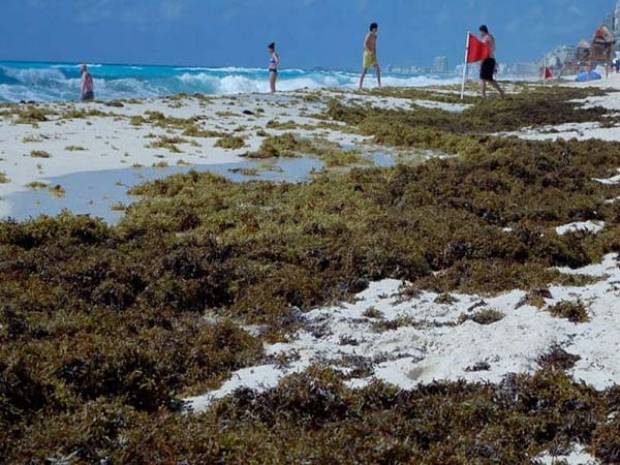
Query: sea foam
{"type": "Point", "coordinates": [48, 82]}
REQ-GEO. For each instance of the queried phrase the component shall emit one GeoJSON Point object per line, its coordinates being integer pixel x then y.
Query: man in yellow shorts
{"type": "Point", "coordinates": [370, 55]}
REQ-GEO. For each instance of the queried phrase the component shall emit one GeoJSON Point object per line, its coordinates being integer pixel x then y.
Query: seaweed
{"type": "Point", "coordinates": [74, 113]}
{"type": "Point", "coordinates": [114, 104]}
{"type": "Point", "coordinates": [288, 145]}
{"type": "Point", "coordinates": [441, 130]}
{"type": "Point", "coordinates": [195, 131]}
{"type": "Point", "coordinates": [373, 313]}
{"type": "Point", "coordinates": [102, 329]}
{"type": "Point", "coordinates": [488, 316]}
{"type": "Point", "coordinates": [314, 417]}
{"type": "Point", "coordinates": [230, 142]}
{"type": "Point", "coordinates": [606, 442]}
{"type": "Point", "coordinates": [37, 185]}
{"type": "Point", "coordinates": [32, 139]}
{"type": "Point", "coordinates": [40, 154]}
{"type": "Point", "coordinates": [285, 145]}
{"type": "Point", "coordinates": [245, 171]}
{"type": "Point", "coordinates": [137, 120]}
{"type": "Point", "coordinates": [168, 143]}
{"type": "Point", "coordinates": [575, 312]}
{"type": "Point", "coordinates": [57, 190]}
{"type": "Point", "coordinates": [160, 120]}
{"type": "Point", "coordinates": [558, 359]}
{"type": "Point", "coordinates": [32, 115]}
{"type": "Point", "coordinates": [336, 158]}
{"type": "Point", "coordinates": [275, 124]}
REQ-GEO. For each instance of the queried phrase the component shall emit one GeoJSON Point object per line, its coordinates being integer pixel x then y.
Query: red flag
{"type": "Point", "coordinates": [477, 50]}
{"type": "Point", "coordinates": [548, 73]}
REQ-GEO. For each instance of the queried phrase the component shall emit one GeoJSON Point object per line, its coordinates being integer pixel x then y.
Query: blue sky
{"type": "Point", "coordinates": [309, 33]}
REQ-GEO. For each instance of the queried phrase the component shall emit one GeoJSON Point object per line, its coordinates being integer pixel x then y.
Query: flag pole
{"type": "Point", "coordinates": [466, 64]}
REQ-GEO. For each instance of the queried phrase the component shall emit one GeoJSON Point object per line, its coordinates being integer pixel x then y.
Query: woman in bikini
{"type": "Point", "coordinates": [274, 62]}
{"type": "Point", "coordinates": [87, 87]}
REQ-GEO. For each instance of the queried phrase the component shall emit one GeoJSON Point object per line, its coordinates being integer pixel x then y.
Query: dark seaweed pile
{"type": "Point", "coordinates": [102, 329]}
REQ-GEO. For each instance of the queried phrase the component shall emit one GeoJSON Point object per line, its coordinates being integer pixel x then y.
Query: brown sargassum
{"type": "Point", "coordinates": [102, 328]}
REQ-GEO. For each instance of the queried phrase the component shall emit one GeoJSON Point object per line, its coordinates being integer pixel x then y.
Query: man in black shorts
{"type": "Point", "coordinates": [487, 68]}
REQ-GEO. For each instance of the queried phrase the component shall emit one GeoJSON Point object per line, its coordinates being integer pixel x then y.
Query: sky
{"type": "Point", "coordinates": [308, 33]}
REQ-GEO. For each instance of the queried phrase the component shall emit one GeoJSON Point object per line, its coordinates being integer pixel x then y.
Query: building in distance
{"type": "Point", "coordinates": [440, 65]}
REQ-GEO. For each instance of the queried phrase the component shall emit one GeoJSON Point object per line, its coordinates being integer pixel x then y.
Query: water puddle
{"type": "Point", "coordinates": [382, 160]}
{"type": "Point", "coordinates": [100, 193]}
{"type": "Point", "coordinates": [378, 158]}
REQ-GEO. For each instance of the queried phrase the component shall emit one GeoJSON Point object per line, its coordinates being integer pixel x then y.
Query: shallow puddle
{"type": "Point", "coordinates": [100, 193]}
{"type": "Point", "coordinates": [383, 160]}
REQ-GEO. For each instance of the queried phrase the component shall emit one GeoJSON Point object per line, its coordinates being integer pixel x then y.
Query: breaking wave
{"type": "Point", "coordinates": [60, 82]}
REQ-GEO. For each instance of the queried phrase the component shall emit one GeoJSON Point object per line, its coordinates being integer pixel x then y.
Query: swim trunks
{"type": "Point", "coordinates": [370, 59]}
{"type": "Point", "coordinates": [487, 69]}
{"type": "Point", "coordinates": [88, 96]}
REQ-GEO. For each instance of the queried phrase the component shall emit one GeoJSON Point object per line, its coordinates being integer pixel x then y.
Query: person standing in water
{"type": "Point", "coordinates": [489, 65]}
{"type": "Point", "coordinates": [274, 63]}
{"type": "Point", "coordinates": [87, 86]}
{"type": "Point", "coordinates": [370, 55]}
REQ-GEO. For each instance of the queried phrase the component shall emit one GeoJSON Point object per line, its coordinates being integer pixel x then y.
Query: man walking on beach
{"type": "Point", "coordinates": [488, 66]}
{"type": "Point", "coordinates": [370, 55]}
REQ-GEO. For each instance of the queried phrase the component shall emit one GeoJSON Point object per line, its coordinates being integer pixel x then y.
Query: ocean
{"type": "Point", "coordinates": [52, 82]}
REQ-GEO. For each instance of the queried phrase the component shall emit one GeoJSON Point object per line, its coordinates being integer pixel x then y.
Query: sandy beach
{"type": "Point", "coordinates": [264, 232]}
{"type": "Point", "coordinates": [308, 271]}
{"type": "Point", "coordinates": [121, 140]}
{"type": "Point", "coordinates": [108, 140]}
{"type": "Point", "coordinates": [440, 350]}
{"type": "Point", "coordinates": [93, 137]}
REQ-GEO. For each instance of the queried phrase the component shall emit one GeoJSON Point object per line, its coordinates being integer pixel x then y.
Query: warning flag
{"type": "Point", "coordinates": [477, 50]}
{"type": "Point", "coordinates": [548, 74]}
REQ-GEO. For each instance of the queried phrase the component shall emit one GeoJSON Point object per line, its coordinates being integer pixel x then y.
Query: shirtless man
{"type": "Point", "coordinates": [487, 69]}
{"type": "Point", "coordinates": [370, 55]}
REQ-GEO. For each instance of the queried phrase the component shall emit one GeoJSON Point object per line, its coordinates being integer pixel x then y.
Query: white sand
{"type": "Point", "coordinates": [582, 131]}
{"type": "Point", "coordinates": [111, 142]}
{"type": "Point", "coordinates": [577, 456]}
{"type": "Point", "coordinates": [568, 131]}
{"type": "Point", "coordinates": [610, 181]}
{"type": "Point", "coordinates": [593, 227]}
{"type": "Point", "coordinates": [437, 345]}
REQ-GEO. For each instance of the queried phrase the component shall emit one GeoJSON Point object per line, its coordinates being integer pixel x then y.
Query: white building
{"type": "Point", "coordinates": [612, 22]}
{"type": "Point", "coordinates": [440, 65]}
{"type": "Point", "coordinates": [615, 24]}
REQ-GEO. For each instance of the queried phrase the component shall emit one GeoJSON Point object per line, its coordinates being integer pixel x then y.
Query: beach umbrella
{"type": "Point", "coordinates": [591, 76]}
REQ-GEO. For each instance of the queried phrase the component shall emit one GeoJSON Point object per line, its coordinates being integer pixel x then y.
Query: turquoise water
{"type": "Point", "coordinates": [47, 82]}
